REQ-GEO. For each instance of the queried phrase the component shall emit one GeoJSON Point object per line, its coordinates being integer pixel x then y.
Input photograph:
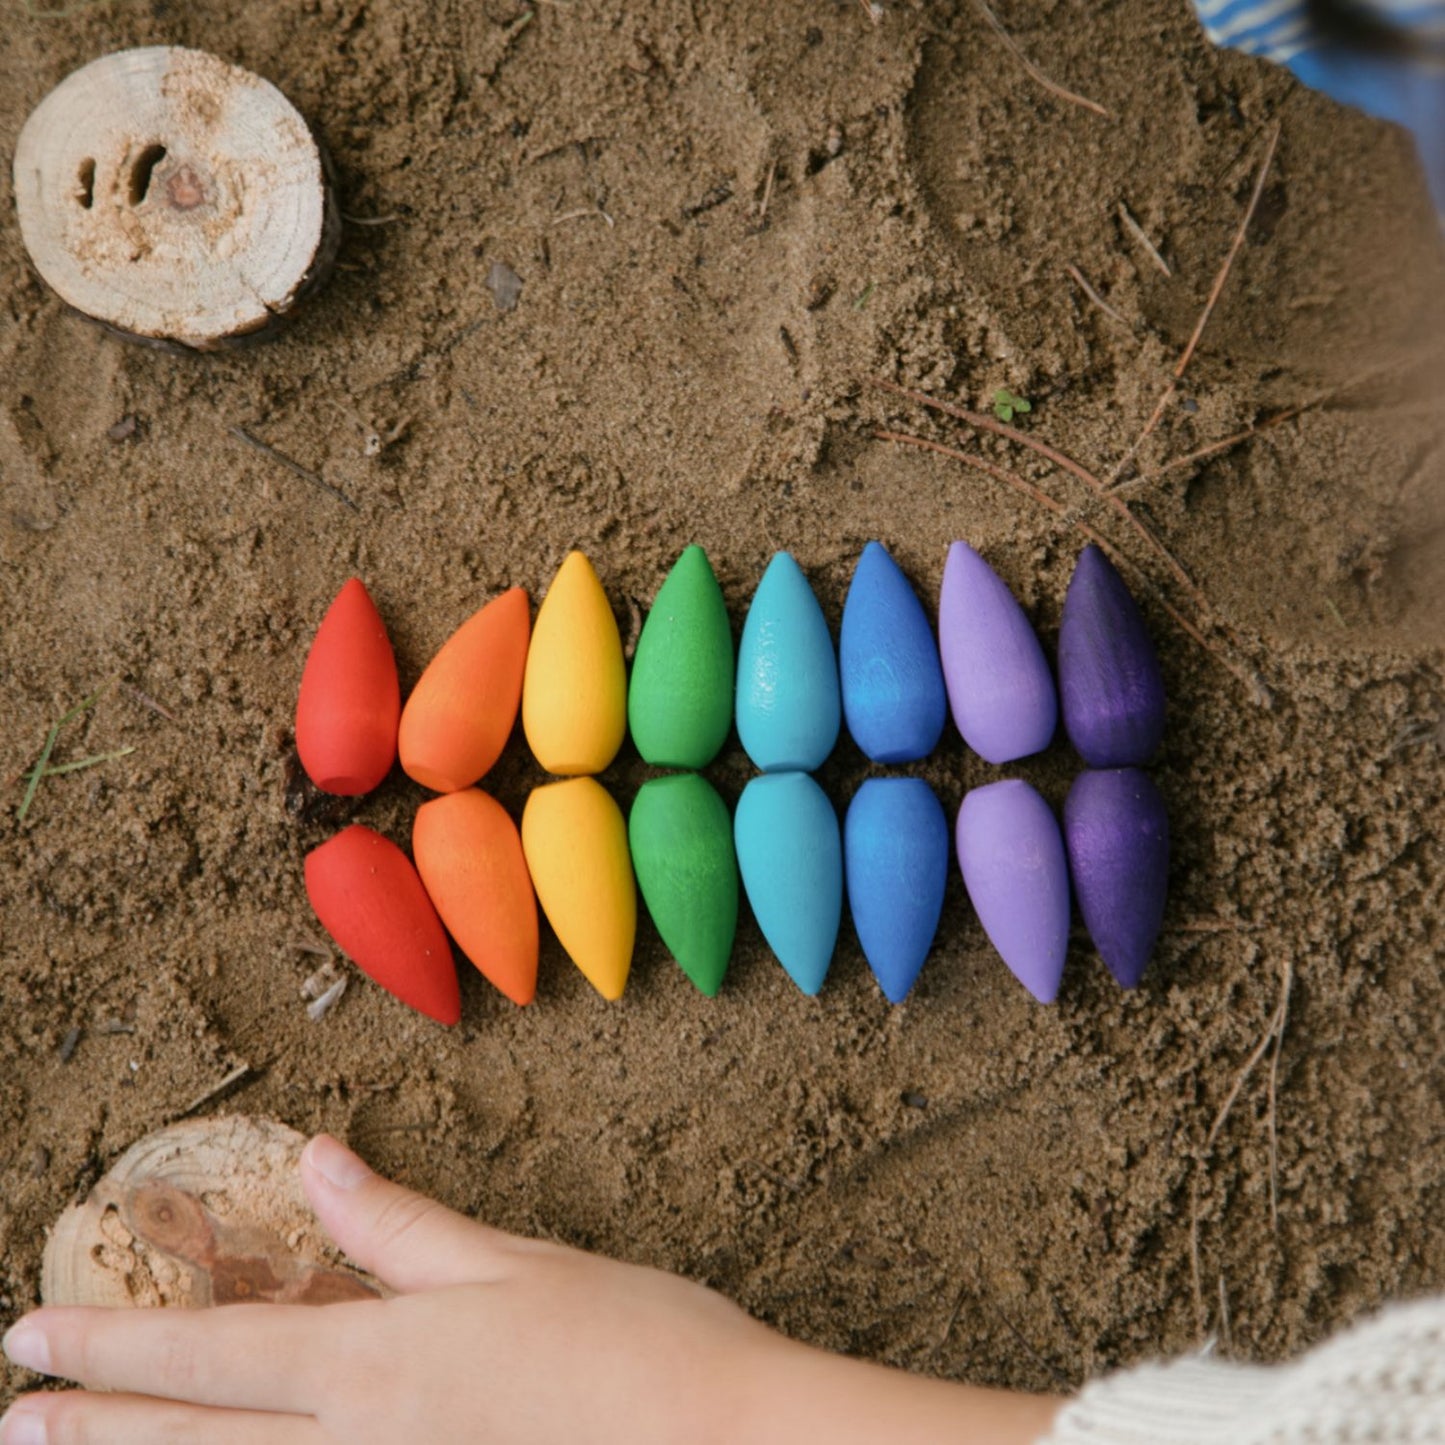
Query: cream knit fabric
{"type": "Point", "coordinates": [1380, 1383]}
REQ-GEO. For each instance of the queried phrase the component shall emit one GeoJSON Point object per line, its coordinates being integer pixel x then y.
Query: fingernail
{"type": "Point", "coordinates": [23, 1424]}
{"type": "Point", "coordinates": [335, 1163]}
{"type": "Point", "coordinates": [26, 1345]}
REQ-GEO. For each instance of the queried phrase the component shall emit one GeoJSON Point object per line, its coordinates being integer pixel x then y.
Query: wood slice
{"type": "Point", "coordinates": [174, 197]}
{"type": "Point", "coordinates": [206, 1212]}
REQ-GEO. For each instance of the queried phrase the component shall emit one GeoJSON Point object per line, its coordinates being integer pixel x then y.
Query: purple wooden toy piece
{"type": "Point", "coordinates": [1117, 836]}
{"type": "Point", "coordinates": [999, 684]}
{"type": "Point", "coordinates": [1109, 678]}
{"type": "Point", "coordinates": [1012, 859]}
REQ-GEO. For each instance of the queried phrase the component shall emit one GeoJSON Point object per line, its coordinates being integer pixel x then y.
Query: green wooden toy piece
{"type": "Point", "coordinates": [682, 853]}
{"type": "Point", "coordinates": [680, 703]}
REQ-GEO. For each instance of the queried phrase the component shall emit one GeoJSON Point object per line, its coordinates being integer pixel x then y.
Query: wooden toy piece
{"type": "Point", "coordinates": [1116, 832]}
{"type": "Point", "coordinates": [895, 855]}
{"type": "Point", "coordinates": [893, 695]}
{"type": "Point", "coordinates": [788, 707]}
{"type": "Point", "coordinates": [999, 684]}
{"type": "Point", "coordinates": [682, 850]}
{"type": "Point", "coordinates": [1109, 678]}
{"type": "Point", "coordinates": [680, 699]}
{"type": "Point", "coordinates": [149, 1234]}
{"type": "Point", "coordinates": [370, 899]}
{"type": "Point", "coordinates": [574, 691]}
{"type": "Point", "coordinates": [791, 858]}
{"type": "Point", "coordinates": [1012, 858]}
{"type": "Point", "coordinates": [469, 855]}
{"type": "Point", "coordinates": [462, 710]}
{"type": "Point", "coordinates": [575, 840]}
{"type": "Point", "coordinates": [174, 197]}
{"type": "Point", "coordinates": [350, 700]}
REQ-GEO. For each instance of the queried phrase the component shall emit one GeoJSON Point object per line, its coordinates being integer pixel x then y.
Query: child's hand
{"type": "Point", "coordinates": [491, 1338]}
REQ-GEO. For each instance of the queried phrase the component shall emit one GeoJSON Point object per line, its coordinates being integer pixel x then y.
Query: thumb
{"type": "Point", "coordinates": [407, 1241]}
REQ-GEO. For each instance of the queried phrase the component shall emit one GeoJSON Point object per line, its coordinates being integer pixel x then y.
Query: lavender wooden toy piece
{"type": "Point", "coordinates": [999, 684]}
{"type": "Point", "coordinates": [1109, 678]}
{"type": "Point", "coordinates": [1012, 859]}
{"type": "Point", "coordinates": [895, 857]}
{"type": "Point", "coordinates": [1116, 832]}
{"type": "Point", "coordinates": [788, 705]}
{"type": "Point", "coordinates": [791, 859]}
{"type": "Point", "coordinates": [893, 696]}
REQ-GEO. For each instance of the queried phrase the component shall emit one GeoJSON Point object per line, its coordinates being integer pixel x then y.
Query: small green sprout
{"type": "Point", "coordinates": [1006, 405]}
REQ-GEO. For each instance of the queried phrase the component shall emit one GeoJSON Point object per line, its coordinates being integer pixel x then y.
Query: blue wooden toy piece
{"type": "Point", "coordinates": [895, 851]}
{"type": "Point", "coordinates": [893, 694]}
{"type": "Point", "coordinates": [788, 705]}
{"type": "Point", "coordinates": [791, 858]}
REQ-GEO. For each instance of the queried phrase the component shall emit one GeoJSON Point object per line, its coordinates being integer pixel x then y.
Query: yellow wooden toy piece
{"type": "Point", "coordinates": [574, 693]}
{"type": "Point", "coordinates": [575, 842]}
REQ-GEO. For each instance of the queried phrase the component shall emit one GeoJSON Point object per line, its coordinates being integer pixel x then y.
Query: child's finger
{"type": "Point", "coordinates": [408, 1241]}
{"type": "Point", "coordinates": [77, 1418]}
{"type": "Point", "coordinates": [261, 1357]}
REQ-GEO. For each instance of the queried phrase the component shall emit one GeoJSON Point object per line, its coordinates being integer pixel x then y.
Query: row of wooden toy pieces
{"type": "Point", "coordinates": [788, 690]}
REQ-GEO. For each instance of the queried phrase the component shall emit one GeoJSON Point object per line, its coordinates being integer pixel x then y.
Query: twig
{"type": "Point", "coordinates": [239, 1075]}
{"type": "Point", "coordinates": [146, 700]}
{"type": "Point", "coordinates": [583, 214]}
{"type": "Point", "coordinates": [1214, 292]}
{"type": "Point", "coordinates": [1138, 233]}
{"type": "Point", "coordinates": [1226, 1334]}
{"type": "Point", "coordinates": [998, 473]}
{"type": "Point", "coordinates": [305, 473]}
{"type": "Point", "coordinates": [1240, 1079]}
{"type": "Point", "coordinates": [768, 190]}
{"type": "Point", "coordinates": [988, 423]}
{"type": "Point", "coordinates": [1034, 72]}
{"type": "Point", "coordinates": [390, 220]}
{"type": "Point", "coordinates": [1074, 468]}
{"type": "Point", "coordinates": [1272, 1114]}
{"type": "Point", "coordinates": [1094, 295]}
{"type": "Point", "coordinates": [1223, 445]}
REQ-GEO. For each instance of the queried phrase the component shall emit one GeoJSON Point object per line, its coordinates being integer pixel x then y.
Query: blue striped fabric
{"type": "Point", "coordinates": [1405, 85]}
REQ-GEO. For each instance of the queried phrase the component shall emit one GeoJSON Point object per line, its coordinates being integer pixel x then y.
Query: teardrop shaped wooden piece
{"type": "Point", "coordinates": [370, 899]}
{"type": "Point", "coordinates": [469, 855]}
{"type": "Point", "coordinates": [680, 698]}
{"type": "Point", "coordinates": [893, 695]}
{"type": "Point", "coordinates": [574, 692]}
{"type": "Point", "coordinates": [463, 708]}
{"type": "Point", "coordinates": [1109, 678]}
{"type": "Point", "coordinates": [895, 854]}
{"type": "Point", "coordinates": [999, 684]}
{"type": "Point", "coordinates": [1116, 831]}
{"type": "Point", "coordinates": [174, 197]}
{"type": "Point", "coordinates": [575, 841]}
{"type": "Point", "coordinates": [1011, 855]}
{"type": "Point", "coordinates": [350, 701]}
{"type": "Point", "coordinates": [791, 858]}
{"type": "Point", "coordinates": [788, 708]}
{"type": "Point", "coordinates": [682, 850]}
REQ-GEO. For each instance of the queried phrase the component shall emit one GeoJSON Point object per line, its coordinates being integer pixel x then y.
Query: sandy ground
{"type": "Point", "coordinates": [727, 219]}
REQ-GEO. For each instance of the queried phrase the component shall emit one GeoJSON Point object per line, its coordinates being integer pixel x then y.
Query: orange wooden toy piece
{"type": "Point", "coordinates": [371, 901]}
{"type": "Point", "coordinates": [469, 855]}
{"type": "Point", "coordinates": [461, 712]}
{"type": "Point", "coordinates": [347, 710]}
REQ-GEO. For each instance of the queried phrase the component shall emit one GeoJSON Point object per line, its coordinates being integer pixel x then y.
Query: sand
{"type": "Point", "coordinates": [726, 220]}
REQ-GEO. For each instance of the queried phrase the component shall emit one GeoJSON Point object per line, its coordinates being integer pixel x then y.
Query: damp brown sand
{"type": "Point", "coordinates": [724, 220]}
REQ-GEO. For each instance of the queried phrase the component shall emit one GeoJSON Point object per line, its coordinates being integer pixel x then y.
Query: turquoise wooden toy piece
{"type": "Point", "coordinates": [680, 702]}
{"type": "Point", "coordinates": [788, 708]}
{"type": "Point", "coordinates": [895, 851]}
{"type": "Point", "coordinates": [893, 693]}
{"type": "Point", "coordinates": [682, 852]}
{"type": "Point", "coordinates": [791, 857]}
